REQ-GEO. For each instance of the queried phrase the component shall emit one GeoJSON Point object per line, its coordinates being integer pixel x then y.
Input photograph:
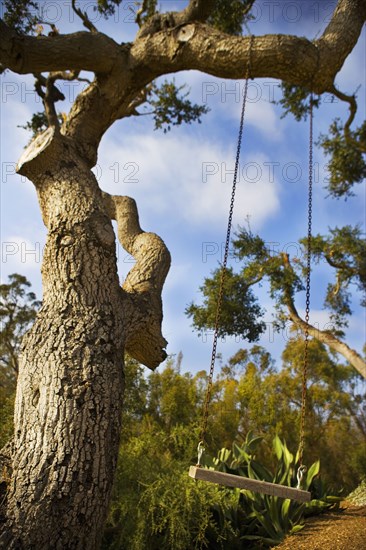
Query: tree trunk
{"type": "Point", "coordinates": [70, 385]}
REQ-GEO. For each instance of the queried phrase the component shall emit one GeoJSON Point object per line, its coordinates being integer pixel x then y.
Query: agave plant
{"type": "Point", "coordinates": [264, 518]}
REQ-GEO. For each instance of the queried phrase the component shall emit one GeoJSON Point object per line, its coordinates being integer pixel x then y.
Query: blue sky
{"type": "Point", "coordinates": [182, 180]}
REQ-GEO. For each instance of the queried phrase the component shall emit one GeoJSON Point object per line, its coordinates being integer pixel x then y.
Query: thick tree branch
{"type": "Point", "coordinates": [123, 71]}
{"type": "Point", "coordinates": [35, 54]}
{"type": "Point", "coordinates": [144, 283]}
{"type": "Point", "coordinates": [198, 46]}
{"type": "Point", "coordinates": [345, 25]}
{"type": "Point", "coordinates": [290, 58]}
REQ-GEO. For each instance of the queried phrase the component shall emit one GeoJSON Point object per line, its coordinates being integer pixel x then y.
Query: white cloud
{"type": "Point", "coordinates": [187, 179]}
{"type": "Point", "coordinates": [263, 117]}
{"type": "Point", "coordinates": [319, 318]}
{"type": "Point", "coordinates": [224, 98]}
{"type": "Point", "coordinates": [17, 113]}
{"type": "Point", "coordinates": [19, 254]}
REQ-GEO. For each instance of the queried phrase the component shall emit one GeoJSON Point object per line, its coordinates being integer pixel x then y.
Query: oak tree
{"type": "Point", "coordinates": [63, 456]}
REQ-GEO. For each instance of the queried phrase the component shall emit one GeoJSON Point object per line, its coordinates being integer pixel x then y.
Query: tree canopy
{"type": "Point", "coordinates": [346, 147]}
{"type": "Point", "coordinates": [344, 250]}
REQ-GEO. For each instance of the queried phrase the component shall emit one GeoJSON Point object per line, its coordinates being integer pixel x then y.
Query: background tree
{"type": "Point", "coordinates": [18, 310]}
{"type": "Point", "coordinates": [70, 382]}
{"type": "Point", "coordinates": [344, 250]}
{"type": "Point", "coordinates": [251, 394]}
{"type": "Point", "coordinates": [335, 410]}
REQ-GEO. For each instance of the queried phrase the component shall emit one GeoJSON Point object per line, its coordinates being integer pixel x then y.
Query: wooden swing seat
{"type": "Point", "coordinates": [240, 482]}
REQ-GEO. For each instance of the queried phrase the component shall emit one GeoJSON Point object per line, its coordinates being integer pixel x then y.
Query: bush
{"type": "Point", "coordinates": [157, 506]}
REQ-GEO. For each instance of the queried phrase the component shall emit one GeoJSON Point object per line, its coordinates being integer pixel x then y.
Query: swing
{"type": "Point", "coordinates": [230, 480]}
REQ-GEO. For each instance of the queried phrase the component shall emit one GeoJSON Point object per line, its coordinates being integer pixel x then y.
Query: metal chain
{"type": "Point", "coordinates": [224, 263]}
{"type": "Point", "coordinates": [307, 301]}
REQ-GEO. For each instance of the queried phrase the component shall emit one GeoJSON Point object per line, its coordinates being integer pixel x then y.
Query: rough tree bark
{"type": "Point", "coordinates": [69, 397]}
{"type": "Point", "coordinates": [70, 384]}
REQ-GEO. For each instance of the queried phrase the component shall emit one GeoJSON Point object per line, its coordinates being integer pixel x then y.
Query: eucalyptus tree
{"type": "Point", "coordinates": [63, 456]}
{"type": "Point", "coordinates": [18, 310]}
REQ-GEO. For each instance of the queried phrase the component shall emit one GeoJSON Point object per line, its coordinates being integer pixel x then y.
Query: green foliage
{"type": "Point", "coordinates": [240, 311]}
{"type": "Point", "coordinates": [176, 396]}
{"type": "Point", "coordinates": [230, 15]}
{"type": "Point", "coordinates": [21, 15]}
{"type": "Point", "coordinates": [273, 517]}
{"type": "Point", "coordinates": [107, 7]}
{"type": "Point", "coordinates": [260, 262]}
{"type": "Point", "coordinates": [178, 513]}
{"type": "Point", "coordinates": [172, 511]}
{"type": "Point", "coordinates": [37, 124]}
{"type": "Point", "coordinates": [18, 309]}
{"type": "Point", "coordinates": [161, 431]}
{"type": "Point", "coordinates": [296, 100]}
{"type": "Point", "coordinates": [169, 509]}
{"type": "Point", "coordinates": [347, 152]}
{"type": "Point", "coordinates": [250, 394]}
{"type": "Point", "coordinates": [346, 148]}
{"type": "Point", "coordinates": [175, 512]}
{"type": "Point", "coordinates": [344, 249]}
{"type": "Point", "coordinates": [336, 412]}
{"type": "Point", "coordinates": [172, 108]}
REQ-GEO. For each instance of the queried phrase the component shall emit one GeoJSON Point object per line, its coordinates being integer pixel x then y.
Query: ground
{"type": "Point", "coordinates": [343, 529]}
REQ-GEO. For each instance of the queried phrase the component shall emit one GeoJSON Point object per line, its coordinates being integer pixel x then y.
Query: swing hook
{"type": "Point", "coordinates": [300, 475]}
{"type": "Point", "coordinates": [200, 450]}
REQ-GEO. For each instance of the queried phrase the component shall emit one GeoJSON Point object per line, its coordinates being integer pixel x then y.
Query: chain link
{"type": "Point", "coordinates": [307, 301]}
{"type": "Point", "coordinates": [226, 255]}
{"type": "Point", "coordinates": [224, 272]}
